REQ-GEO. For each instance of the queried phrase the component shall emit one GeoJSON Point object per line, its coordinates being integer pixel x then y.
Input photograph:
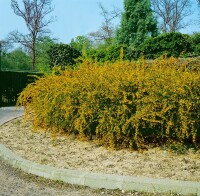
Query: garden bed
{"type": "Point", "coordinates": [68, 152]}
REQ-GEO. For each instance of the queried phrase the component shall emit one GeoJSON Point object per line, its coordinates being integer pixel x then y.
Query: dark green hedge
{"type": "Point", "coordinates": [170, 44]}
{"type": "Point", "coordinates": [62, 55]}
{"type": "Point", "coordinates": [12, 83]}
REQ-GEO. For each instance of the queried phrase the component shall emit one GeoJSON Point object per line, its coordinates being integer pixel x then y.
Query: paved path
{"type": "Point", "coordinates": [9, 113]}
{"type": "Point", "coordinates": [14, 182]}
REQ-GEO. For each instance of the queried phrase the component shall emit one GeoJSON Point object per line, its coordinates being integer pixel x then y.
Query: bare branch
{"type": "Point", "coordinates": [172, 13]}
{"type": "Point", "coordinates": [17, 37]}
{"type": "Point", "coordinates": [5, 45]}
{"type": "Point", "coordinates": [33, 12]}
{"type": "Point", "coordinates": [106, 30]}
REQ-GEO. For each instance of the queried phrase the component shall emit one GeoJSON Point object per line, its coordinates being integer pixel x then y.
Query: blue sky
{"type": "Point", "coordinates": [74, 17]}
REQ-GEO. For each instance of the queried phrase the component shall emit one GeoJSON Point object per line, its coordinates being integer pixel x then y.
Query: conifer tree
{"type": "Point", "coordinates": [137, 23]}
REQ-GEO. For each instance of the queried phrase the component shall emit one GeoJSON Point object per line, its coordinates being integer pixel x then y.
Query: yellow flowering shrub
{"type": "Point", "coordinates": [124, 104]}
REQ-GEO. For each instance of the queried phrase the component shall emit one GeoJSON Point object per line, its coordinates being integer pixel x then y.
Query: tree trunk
{"type": "Point", "coordinates": [33, 54]}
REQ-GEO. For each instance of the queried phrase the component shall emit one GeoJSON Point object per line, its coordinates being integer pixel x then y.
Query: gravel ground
{"type": "Point", "coordinates": [14, 182]}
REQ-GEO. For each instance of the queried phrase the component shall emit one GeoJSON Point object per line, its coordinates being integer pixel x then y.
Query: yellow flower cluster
{"type": "Point", "coordinates": [122, 104]}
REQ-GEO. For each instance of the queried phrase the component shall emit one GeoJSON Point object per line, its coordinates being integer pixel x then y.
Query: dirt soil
{"type": "Point", "coordinates": [68, 152]}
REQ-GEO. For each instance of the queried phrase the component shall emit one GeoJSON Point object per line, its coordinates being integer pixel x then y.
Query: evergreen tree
{"type": "Point", "coordinates": [137, 23]}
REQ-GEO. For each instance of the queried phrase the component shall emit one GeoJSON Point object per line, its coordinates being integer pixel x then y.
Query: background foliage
{"type": "Point", "coordinates": [137, 23]}
{"type": "Point", "coordinates": [196, 44]}
{"type": "Point", "coordinates": [170, 44]}
{"type": "Point", "coordinates": [16, 60]}
{"type": "Point", "coordinates": [62, 55]}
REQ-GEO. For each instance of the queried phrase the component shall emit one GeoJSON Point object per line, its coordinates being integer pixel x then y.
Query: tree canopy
{"type": "Point", "coordinates": [137, 23]}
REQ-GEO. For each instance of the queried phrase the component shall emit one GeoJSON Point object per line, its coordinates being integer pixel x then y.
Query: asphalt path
{"type": "Point", "coordinates": [9, 113]}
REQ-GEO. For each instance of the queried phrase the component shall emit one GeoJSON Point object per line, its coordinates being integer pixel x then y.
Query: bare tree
{"type": "Point", "coordinates": [171, 13]}
{"type": "Point", "coordinates": [33, 13]}
{"type": "Point", "coordinates": [107, 29]}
